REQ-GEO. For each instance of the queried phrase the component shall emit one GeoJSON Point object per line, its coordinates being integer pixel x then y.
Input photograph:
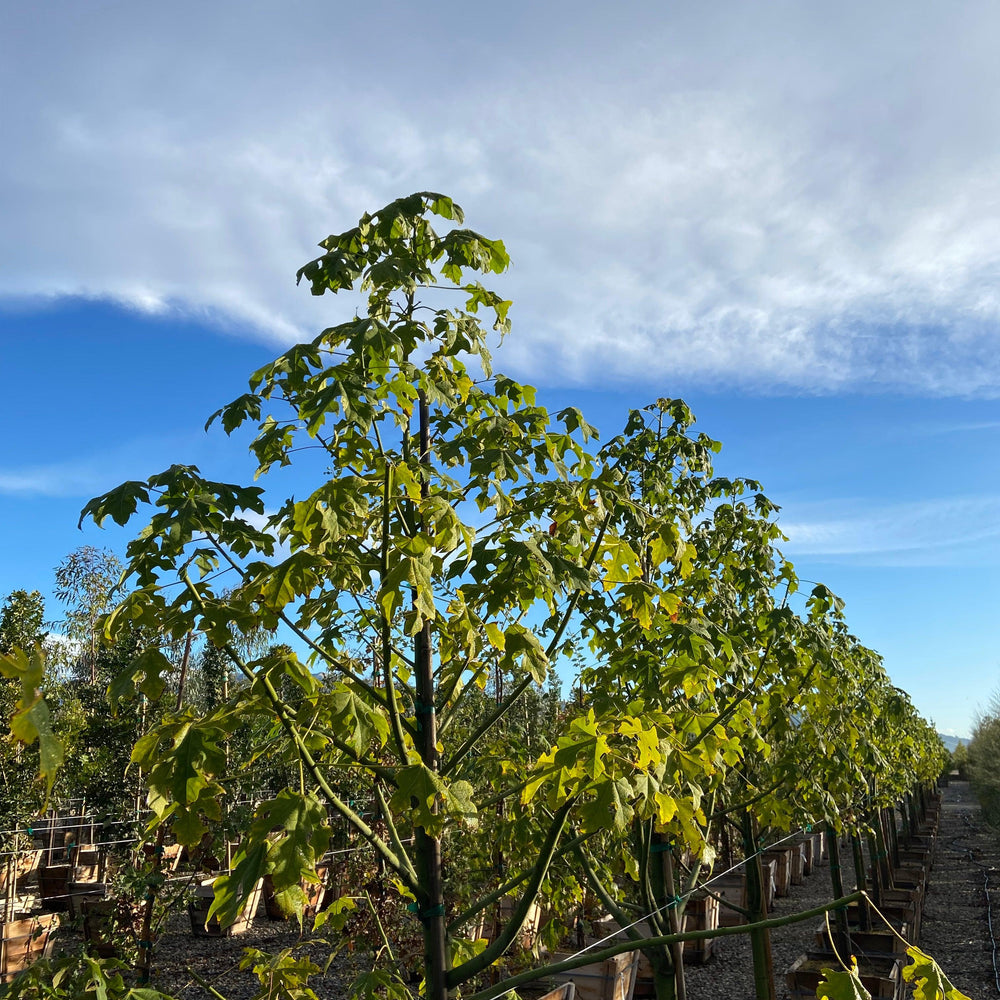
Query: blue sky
{"type": "Point", "coordinates": [787, 214]}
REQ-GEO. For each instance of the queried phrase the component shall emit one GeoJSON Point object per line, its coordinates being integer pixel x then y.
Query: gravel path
{"type": "Point", "coordinates": [955, 930]}
{"type": "Point", "coordinates": [216, 959]}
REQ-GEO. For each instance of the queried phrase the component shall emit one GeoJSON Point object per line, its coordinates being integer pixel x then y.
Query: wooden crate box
{"type": "Point", "coordinates": [613, 979]}
{"type": "Point", "coordinates": [23, 942]}
{"type": "Point", "coordinates": [782, 870]}
{"type": "Point", "coordinates": [797, 854]}
{"type": "Point", "coordinates": [701, 913]}
{"type": "Point", "coordinates": [732, 889]}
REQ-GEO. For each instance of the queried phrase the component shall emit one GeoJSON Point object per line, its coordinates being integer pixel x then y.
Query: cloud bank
{"type": "Point", "coordinates": [783, 198]}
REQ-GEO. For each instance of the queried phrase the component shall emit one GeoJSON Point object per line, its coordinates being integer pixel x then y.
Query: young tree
{"type": "Point", "coordinates": [420, 567]}
{"type": "Point", "coordinates": [458, 543]}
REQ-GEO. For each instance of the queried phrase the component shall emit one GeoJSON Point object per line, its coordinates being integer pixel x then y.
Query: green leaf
{"type": "Point", "coordinates": [246, 407]}
{"type": "Point", "coordinates": [841, 985]}
{"type": "Point", "coordinates": [32, 720]}
{"type": "Point", "coordinates": [119, 504]}
{"type": "Point", "coordinates": [337, 914]}
{"type": "Point", "coordinates": [183, 758]}
{"type": "Point", "coordinates": [379, 984]}
{"type": "Point", "coordinates": [431, 802]}
{"type": "Point", "coordinates": [619, 562]}
{"type": "Point", "coordinates": [148, 669]}
{"type": "Point", "coordinates": [523, 651]}
{"type": "Point", "coordinates": [288, 834]}
{"type": "Point", "coordinates": [609, 808]}
{"type": "Point", "coordinates": [354, 720]}
{"type": "Point", "coordinates": [929, 981]}
{"type": "Point", "coordinates": [232, 890]}
{"type": "Point", "coordinates": [277, 586]}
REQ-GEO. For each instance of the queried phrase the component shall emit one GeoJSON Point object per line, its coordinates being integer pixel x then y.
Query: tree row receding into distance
{"type": "Point", "coordinates": [462, 548]}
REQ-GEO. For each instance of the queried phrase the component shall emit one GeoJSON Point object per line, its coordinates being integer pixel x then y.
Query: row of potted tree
{"type": "Point", "coordinates": [460, 548]}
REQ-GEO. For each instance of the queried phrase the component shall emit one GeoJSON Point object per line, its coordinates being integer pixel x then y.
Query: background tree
{"type": "Point", "coordinates": [982, 760]}
{"type": "Point", "coordinates": [85, 581]}
{"type": "Point", "coordinates": [96, 729]}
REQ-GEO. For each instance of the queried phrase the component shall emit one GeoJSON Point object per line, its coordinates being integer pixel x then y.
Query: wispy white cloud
{"type": "Point", "coordinates": [70, 479]}
{"type": "Point", "coordinates": [949, 531]}
{"type": "Point", "coordinates": [85, 475]}
{"type": "Point", "coordinates": [970, 427]}
{"type": "Point", "coordinates": [790, 197]}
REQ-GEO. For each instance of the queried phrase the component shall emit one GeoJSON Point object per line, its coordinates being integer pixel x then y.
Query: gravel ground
{"type": "Point", "coordinates": [955, 928]}
{"type": "Point", "coordinates": [216, 960]}
{"type": "Point", "coordinates": [728, 974]}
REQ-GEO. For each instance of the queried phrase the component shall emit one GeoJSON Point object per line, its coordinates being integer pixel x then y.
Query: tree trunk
{"type": "Point", "coordinates": [864, 908]}
{"type": "Point", "coordinates": [664, 983]}
{"type": "Point", "coordinates": [431, 909]}
{"type": "Point", "coordinates": [882, 854]}
{"type": "Point", "coordinates": [843, 933]}
{"type": "Point", "coordinates": [874, 869]}
{"type": "Point", "coordinates": [144, 960]}
{"type": "Point", "coordinates": [675, 916]}
{"type": "Point", "coordinates": [760, 938]}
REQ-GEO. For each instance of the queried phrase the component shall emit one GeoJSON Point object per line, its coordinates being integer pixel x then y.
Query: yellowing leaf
{"type": "Point", "coordinates": [666, 807]}
{"type": "Point", "coordinates": [841, 985]}
{"type": "Point", "coordinates": [929, 981]}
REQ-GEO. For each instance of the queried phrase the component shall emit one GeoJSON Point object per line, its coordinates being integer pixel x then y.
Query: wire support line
{"type": "Point", "coordinates": [44, 826]}
{"type": "Point", "coordinates": [85, 847]}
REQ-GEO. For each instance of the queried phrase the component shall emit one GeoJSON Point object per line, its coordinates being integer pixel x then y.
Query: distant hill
{"type": "Point", "coordinates": [951, 742]}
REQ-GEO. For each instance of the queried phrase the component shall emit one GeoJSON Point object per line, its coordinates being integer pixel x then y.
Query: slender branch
{"type": "Point", "coordinates": [723, 812]}
{"type": "Point", "coordinates": [506, 937]}
{"type": "Point", "coordinates": [206, 985]}
{"type": "Point", "coordinates": [519, 689]}
{"type": "Point", "coordinates": [497, 894]}
{"type": "Point", "coordinates": [747, 690]}
{"type": "Point", "coordinates": [650, 898]}
{"type": "Point", "coordinates": [281, 710]}
{"type": "Point", "coordinates": [379, 770]}
{"type": "Point", "coordinates": [397, 842]}
{"type": "Point", "coordinates": [444, 696]}
{"type": "Point", "coordinates": [505, 794]}
{"type": "Point", "coordinates": [728, 904]}
{"type": "Point", "coordinates": [372, 692]}
{"type": "Point", "coordinates": [610, 904]}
